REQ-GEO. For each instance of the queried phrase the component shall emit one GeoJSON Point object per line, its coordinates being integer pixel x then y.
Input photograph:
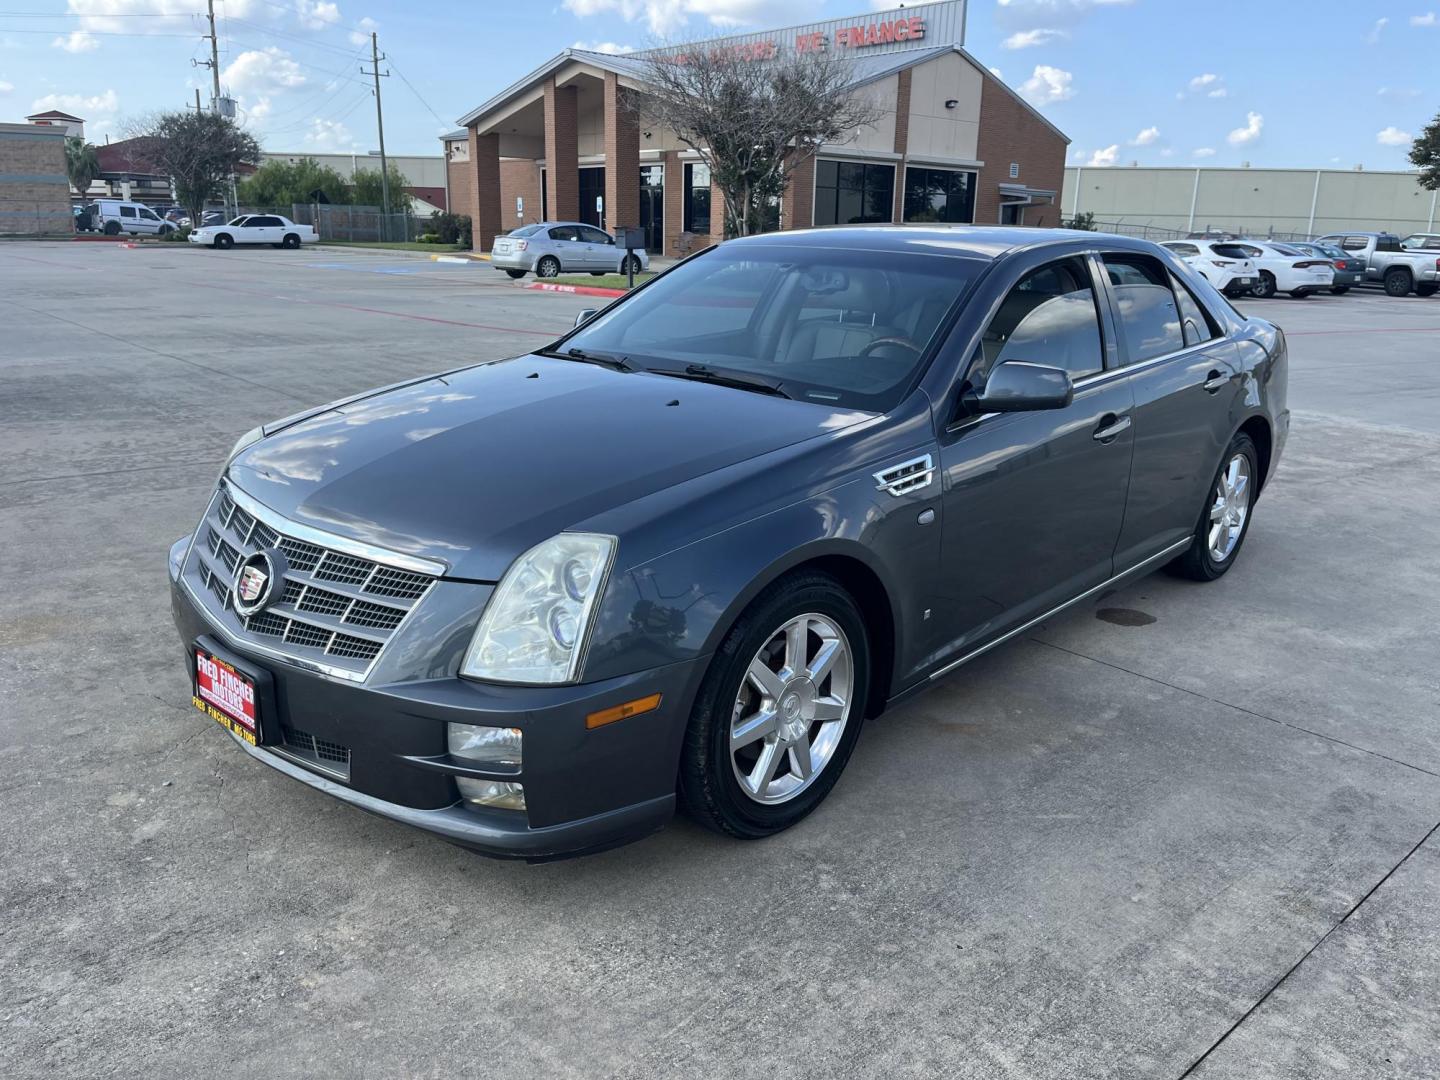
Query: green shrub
{"type": "Point", "coordinates": [177, 235]}
{"type": "Point", "coordinates": [451, 228]}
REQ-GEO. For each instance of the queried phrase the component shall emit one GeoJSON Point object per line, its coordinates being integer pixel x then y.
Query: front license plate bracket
{"type": "Point", "coordinates": [235, 694]}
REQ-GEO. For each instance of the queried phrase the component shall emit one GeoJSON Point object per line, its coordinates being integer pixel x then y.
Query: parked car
{"type": "Point", "coordinates": [269, 229]}
{"type": "Point", "coordinates": [115, 216]}
{"type": "Point", "coordinates": [1398, 270]}
{"type": "Point", "coordinates": [1349, 269]}
{"type": "Point", "coordinates": [1224, 265]}
{"type": "Point", "coordinates": [796, 478]}
{"type": "Point", "coordinates": [1421, 241]}
{"type": "Point", "coordinates": [1282, 268]}
{"type": "Point", "coordinates": [555, 247]}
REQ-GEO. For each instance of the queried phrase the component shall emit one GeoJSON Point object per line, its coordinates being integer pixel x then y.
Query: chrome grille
{"type": "Point", "coordinates": [337, 608]}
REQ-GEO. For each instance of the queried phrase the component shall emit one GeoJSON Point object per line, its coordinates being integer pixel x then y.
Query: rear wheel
{"type": "Point", "coordinates": [516, 273]}
{"type": "Point", "coordinates": [631, 263]}
{"type": "Point", "coordinates": [291, 241]}
{"type": "Point", "coordinates": [548, 267]}
{"type": "Point", "coordinates": [1299, 294]}
{"type": "Point", "coordinates": [112, 228]}
{"type": "Point", "coordinates": [1397, 283]}
{"type": "Point", "coordinates": [1425, 290]}
{"type": "Point", "coordinates": [779, 711]}
{"type": "Point", "coordinates": [1225, 518]}
{"type": "Point", "coordinates": [1264, 286]}
{"type": "Point", "coordinates": [1340, 290]}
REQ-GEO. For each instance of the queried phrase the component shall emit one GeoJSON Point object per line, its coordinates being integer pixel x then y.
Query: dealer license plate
{"type": "Point", "coordinates": [226, 695]}
{"type": "Point", "coordinates": [1246, 280]}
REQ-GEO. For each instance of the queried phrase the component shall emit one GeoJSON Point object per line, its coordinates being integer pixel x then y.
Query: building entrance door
{"type": "Point", "coordinates": [652, 207]}
{"type": "Point", "coordinates": [592, 188]}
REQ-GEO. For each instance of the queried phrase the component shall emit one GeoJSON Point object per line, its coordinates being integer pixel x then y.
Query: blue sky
{"type": "Point", "coordinates": [1323, 83]}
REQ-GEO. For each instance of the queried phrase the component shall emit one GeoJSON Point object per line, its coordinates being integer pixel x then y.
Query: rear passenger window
{"type": "Point", "coordinates": [127, 211]}
{"type": "Point", "coordinates": [1149, 315]}
{"type": "Point", "coordinates": [1194, 324]}
{"type": "Point", "coordinates": [564, 232]}
{"type": "Point", "coordinates": [1049, 318]}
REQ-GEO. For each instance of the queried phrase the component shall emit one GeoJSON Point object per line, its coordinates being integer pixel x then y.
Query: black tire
{"type": "Point", "coordinates": [1196, 563]}
{"type": "Point", "coordinates": [224, 241]}
{"type": "Point", "coordinates": [112, 228]}
{"type": "Point", "coordinates": [709, 790]}
{"type": "Point", "coordinates": [517, 274]}
{"type": "Point", "coordinates": [1397, 283]}
{"type": "Point", "coordinates": [632, 261]}
{"type": "Point", "coordinates": [291, 241]}
{"type": "Point", "coordinates": [1426, 290]}
{"type": "Point", "coordinates": [166, 230]}
{"type": "Point", "coordinates": [1339, 290]}
{"type": "Point", "coordinates": [1264, 287]}
{"type": "Point", "coordinates": [547, 267]}
{"type": "Point", "coordinates": [1299, 294]}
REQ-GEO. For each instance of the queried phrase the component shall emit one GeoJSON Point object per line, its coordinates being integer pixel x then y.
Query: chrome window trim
{"type": "Point", "coordinates": [321, 538]}
{"type": "Point", "coordinates": [1173, 549]}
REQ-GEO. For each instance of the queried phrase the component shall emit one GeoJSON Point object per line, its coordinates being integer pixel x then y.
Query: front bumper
{"type": "Point", "coordinates": [585, 789]}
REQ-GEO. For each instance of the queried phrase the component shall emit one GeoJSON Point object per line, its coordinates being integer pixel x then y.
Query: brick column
{"type": "Point", "coordinates": [717, 212]}
{"type": "Point", "coordinates": [485, 222]}
{"type": "Point", "coordinates": [674, 201]}
{"type": "Point", "coordinates": [622, 156]}
{"type": "Point", "coordinates": [562, 152]}
{"type": "Point", "coordinates": [902, 139]}
{"type": "Point", "coordinates": [797, 205]}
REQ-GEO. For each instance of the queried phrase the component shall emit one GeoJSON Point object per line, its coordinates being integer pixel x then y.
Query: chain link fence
{"type": "Point", "coordinates": [354, 224]}
{"type": "Point", "coordinates": [1159, 232]}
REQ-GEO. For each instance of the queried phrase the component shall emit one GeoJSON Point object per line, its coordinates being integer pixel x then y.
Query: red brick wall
{"type": "Point", "coordinates": [485, 168]}
{"type": "Point", "coordinates": [1010, 132]}
{"type": "Point", "coordinates": [674, 201]}
{"type": "Point", "coordinates": [902, 139]}
{"type": "Point", "coordinates": [797, 205]}
{"type": "Point", "coordinates": [462, 188]}
{"type": "Point", "coordinates": [562, 153]}
{"type": "Point", "coordinates": [519, 176]}
{"type": "Point", "coordinates": [622, 157]}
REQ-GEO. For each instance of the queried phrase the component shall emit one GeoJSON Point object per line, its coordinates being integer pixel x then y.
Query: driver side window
{"type": "Point", "coordinates": [1048, 318]}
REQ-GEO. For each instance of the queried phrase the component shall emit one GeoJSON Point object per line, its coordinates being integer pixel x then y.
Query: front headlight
{"type": "Point", "coordinates": [534, 628]}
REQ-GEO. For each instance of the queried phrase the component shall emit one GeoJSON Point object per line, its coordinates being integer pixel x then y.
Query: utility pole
{"type": "Point", "coordinates": [214, 62]}
{"type": "Point", "coordinates": [375, 57]}
{"type": "Point", "coordinates": [197, 100]}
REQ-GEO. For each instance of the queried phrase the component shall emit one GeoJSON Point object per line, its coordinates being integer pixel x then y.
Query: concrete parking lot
{"type": "Point", "coordinates": [1182, 830]}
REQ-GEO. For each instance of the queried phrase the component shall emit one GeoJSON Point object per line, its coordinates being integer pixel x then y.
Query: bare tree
{"type": "Point", "coordinates": [753, 114]}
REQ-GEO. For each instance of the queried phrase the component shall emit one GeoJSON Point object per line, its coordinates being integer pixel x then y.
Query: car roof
{"type": "Point", "coordinates": [975, 241]}
{"type": "Point", "coordinates": [548, 224]}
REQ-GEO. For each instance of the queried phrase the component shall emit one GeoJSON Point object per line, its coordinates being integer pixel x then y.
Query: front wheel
{"type": "Point", "coordinates": [779, 711]}
{"type": "Point", "coordinates": [1299, 294]}
{"type": "Point", "coordinates": [224, 241]}
{"type": "Point", "coordinates": [1264, 288]}
{"type": "Point", "coordinates": [1339, 290]}
{"type": "Point", "coordinates": [548, 267]}
{"type": "Point", "coordinates": [1225, 518]}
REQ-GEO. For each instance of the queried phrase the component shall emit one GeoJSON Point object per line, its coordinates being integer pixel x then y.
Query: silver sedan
{"type": "Point", "coordinates": [555, 247]}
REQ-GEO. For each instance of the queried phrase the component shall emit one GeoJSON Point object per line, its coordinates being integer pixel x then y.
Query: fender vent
{"type": "Point", "coordinates": [906, 477]}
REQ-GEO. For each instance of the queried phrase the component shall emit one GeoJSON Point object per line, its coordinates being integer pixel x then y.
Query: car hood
{"type": "Point", "coordinates": [474, 467]}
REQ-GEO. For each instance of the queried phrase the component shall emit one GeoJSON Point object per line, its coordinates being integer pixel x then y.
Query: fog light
{"type": "Point", "coordinates": [495, 793]}
{"type": "Point", "coordinates": [485, 745]}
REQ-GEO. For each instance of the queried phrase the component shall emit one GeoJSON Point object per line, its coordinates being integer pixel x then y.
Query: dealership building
{"type": "Point", "coordinates": [953, 143]}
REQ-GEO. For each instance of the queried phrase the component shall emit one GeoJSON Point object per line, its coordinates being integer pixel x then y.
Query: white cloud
{"type": "Point", "coordinates": [363, 29]}
{"type": "Point", "coordinates": [668, 17]}
{"type": "Point", "coordinates": [328, 135]}
{"type": "Point", "coordinates": [6, 87]}
{"type": "Point", "coordinates": [1392, 136]}
{"type": "Point", "coordinates": [1373, 38]}
{"type": "Point", "coordinates": [609, 47]}
{"type": "Point", "coordinates": [1398, 93]}
{"type": "Point", "coordinates": [317, 14]}
{"type": "Point", "coordinates": [97, 110]}
{"type": "Point", "coordinates": [1145, 137]}
{"type": "Point", "coordinates": [1428, 19]}
{"type": "Point", "coordinates": [1026, 39]}
{"type": "Point", "coordinates": [1103, 159]}
{"type": "Point", "coordinates": [1047, 85]}
{"type": "Point", "coordinates": [77, 41]}
{"type": "Point", "coordinates": [1204, 152]}
{"type": "Point", "coordinates": [997, 73]}
{"type": "Point", "coordinates": [1243, 136]}
{"type": "Point", "coordinates": [1168, 151]}
{"type": "Point", "coordinates": [256, 72]}
{"type": "Point", "coordinates": [1218, 92]}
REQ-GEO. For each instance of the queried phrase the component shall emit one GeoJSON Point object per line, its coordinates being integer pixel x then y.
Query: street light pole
{"type": "Point", "coordinates": [375, 57]}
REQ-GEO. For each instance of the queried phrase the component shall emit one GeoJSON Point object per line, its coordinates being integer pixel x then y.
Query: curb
{"type": "Point", "coordinates": [576, 290]}
{"type": "Point", "coordinates": [461, 258]}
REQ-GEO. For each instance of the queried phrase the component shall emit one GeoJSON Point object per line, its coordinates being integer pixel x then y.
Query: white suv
{"type": "Point", "coordinates": [114, 216]}
{"type": "Point", "coordinates": [1227, 266]}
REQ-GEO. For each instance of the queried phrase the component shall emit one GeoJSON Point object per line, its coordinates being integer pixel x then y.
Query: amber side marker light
{"type": "Point", "coordinates": [622, 712]}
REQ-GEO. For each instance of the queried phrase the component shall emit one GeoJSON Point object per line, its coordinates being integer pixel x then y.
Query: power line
{"type": "Point", "coordinates": [99, 15]}
{"type": "Point", "coordinates": [288, 36]}
{"type": "Point", "coordinates": [422, 101]}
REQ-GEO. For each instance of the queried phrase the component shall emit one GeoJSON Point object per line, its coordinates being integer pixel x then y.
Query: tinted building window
{"type": "Point", "coordinates": [853, 193]}
{"type": "Point", "coordinates": [697, 198]}
{"type": "Point", "coordinates": [939, 195]}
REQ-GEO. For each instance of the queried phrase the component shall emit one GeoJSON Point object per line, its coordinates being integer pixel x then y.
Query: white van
{"type": "Point", "coordinates": [113, 216]}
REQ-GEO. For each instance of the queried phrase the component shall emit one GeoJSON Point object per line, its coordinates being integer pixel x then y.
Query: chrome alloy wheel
{"type": "Point", "coordinates": [791, 710]}
{"type": "Point", "coordinates": [1229, 510]}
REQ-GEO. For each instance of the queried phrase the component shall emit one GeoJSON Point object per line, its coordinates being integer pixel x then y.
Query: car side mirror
{"type": "Point", "coordinates": [586, 315]}
{"type": "Point", "coordinates": [1020, 386]}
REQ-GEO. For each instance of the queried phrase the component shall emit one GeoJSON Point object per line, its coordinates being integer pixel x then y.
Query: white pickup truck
{"type": "Point", "coordinates": [269, 229]}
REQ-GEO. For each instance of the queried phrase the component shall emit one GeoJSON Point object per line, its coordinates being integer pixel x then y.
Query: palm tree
{"type": "Point", "coordinates": [81, 163]}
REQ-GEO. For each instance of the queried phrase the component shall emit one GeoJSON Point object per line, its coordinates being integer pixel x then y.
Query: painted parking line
{"type": "Point", "coordinates": [385, 268]}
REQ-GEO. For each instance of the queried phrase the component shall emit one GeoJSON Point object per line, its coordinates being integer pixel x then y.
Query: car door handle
{"type": "Point", "coordinates": [1216, 381]}
{"type": "Point", "coordinates": [1111, 426]}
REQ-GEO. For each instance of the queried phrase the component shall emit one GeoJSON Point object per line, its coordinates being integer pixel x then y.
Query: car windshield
{"type": "Point", "coordinates": [238, 220]}
{"type": "Point", "coordinates": [844, 327]}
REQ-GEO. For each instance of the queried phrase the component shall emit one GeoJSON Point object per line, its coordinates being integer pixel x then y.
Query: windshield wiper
{"type": "Point", "coordinates": [740, 380]}
{"type": "Point", "coordinates": [619, 363]}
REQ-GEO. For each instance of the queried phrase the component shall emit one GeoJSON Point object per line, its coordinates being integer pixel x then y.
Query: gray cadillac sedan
{"type": "Point", "coordinates": [683, 554]}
